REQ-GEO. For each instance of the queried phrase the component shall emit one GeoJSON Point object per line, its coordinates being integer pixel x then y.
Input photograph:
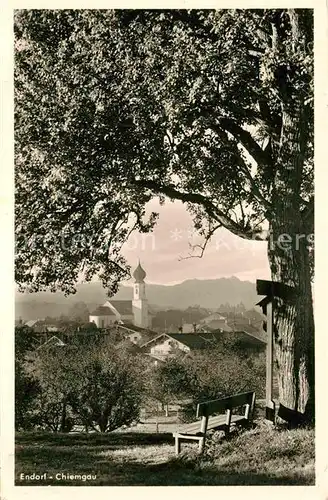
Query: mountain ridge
{"type": "Point", "coordinates": [209, 293]}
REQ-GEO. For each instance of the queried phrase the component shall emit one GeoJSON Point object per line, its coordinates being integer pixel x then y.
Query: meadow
{"type": "Point", "coordinates": [138, 457]}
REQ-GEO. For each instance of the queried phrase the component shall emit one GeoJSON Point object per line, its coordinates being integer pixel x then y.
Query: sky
{"type": "Point", "coordinates": [164, 252]}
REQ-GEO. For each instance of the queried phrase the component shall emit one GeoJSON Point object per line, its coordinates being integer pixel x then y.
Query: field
{"type": "Point", "coordinates": [261, 456]}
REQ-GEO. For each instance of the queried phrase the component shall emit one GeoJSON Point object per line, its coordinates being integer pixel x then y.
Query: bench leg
{"type": "Point", "coordinates": [203, 429]}
{"type": "Point", "coordinates": [177, 445]}
{"type": "Point", "coordinates": [201, 445]}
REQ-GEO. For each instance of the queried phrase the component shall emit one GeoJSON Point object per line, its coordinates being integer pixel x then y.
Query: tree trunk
{"type": "Point", "coordinates": [62, 427]}
{"type": "Point", "coordinates": [293, 316]}
{"type": "Point", "coordinates": [103, 423]}
{"type": "Point", "coordinates": [289, 241]}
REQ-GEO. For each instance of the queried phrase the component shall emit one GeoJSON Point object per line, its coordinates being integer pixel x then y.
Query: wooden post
{"type": "Point", "coordinates": [177, 445]}
{"type": "Point", "coordinates": [249, 410]}
{"type": "Point", "coordinates": [157, 420]}
{"type": "Point", "coordinates": [270, 406]}
{"type": "Point", "coordinates": [203, 429]}
{"type": "Point", "coordinates": [228, 421]}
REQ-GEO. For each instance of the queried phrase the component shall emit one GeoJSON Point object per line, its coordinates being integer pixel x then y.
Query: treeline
{"type": "Point", "coordinates": [105, 388]}
{"type": "Point", "coordinates": [174, 318]}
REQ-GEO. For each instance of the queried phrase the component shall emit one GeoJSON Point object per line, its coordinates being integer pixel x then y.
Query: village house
{"type": "Point", "coordinates": [52, 342]}
{"type": "Point", "coordinates": [167, 345]}
{"type": "Point", "coordinates": [41, 325]}
{"type": "Point", "coordinates": [213, 326]}
{"type": "Point", "coordinates": [188, 328]}
{"type": "Point", "coordinates": [214, 322]}
{"type": "Point", "coordinates": [135, 334]}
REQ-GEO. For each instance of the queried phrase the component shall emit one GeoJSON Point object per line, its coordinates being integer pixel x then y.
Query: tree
{"type": "Point", "coordinates": [100, 389]}
{"type": "Point", "coordinates": [26, 389]}
{"type": "Point", "coordinates": [222, 371]}
{"type": "Point", "coordinates": [109, 392]}
{"type": "Point", "coordinates": [172, 381]}
{"type": "Point", "coordinates": [211, 373]}
{"type": "Point", "coordinates": [54, 369]}
{"type": "Point", "coordinates": [213, 108]}
{"type": "Point", "coordinates": [79, 312]}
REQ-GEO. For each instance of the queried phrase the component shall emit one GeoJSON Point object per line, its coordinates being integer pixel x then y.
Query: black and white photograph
{"type": "Point", "coordinates": [164, 247]}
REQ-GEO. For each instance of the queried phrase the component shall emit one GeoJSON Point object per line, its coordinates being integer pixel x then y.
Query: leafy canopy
{"type": "Point", "coordinates": [116, 107]}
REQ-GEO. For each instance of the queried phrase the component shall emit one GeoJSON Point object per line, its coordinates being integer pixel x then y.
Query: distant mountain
{"type": "Point", "coordinates": [205, 293]}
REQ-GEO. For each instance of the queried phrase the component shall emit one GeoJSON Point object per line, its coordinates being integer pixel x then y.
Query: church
{"type": "Point", "coordinates": [133, 311]}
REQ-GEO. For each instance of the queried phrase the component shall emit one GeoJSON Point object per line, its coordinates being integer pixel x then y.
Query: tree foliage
{"type": "Point", "coordinates": [180, 123]}
{"type": "Point", "coordinates": [26, 388]}
{"type": "Point", "coordinates": [209, 374]}
{"type": "Point", "coordinates": [172, 381]}
{"type": "Point", "coordinates": [110, 391]}
{"type": "Point", "coordinates": [222, 372]}
{"type": "Point", "coordinates": [79, 312]}
{"type": "Point", "coordinates": [98, 389]}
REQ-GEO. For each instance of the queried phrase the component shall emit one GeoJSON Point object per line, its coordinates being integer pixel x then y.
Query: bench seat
{"type": "Point", "coordinates": [216, 422]}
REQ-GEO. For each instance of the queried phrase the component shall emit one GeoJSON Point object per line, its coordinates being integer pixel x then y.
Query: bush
{"type": "Point", "coordinates": [26, 393]}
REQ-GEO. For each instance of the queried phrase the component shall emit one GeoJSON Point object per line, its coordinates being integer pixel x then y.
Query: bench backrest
{"type": "Point", "coordinates": [216, 405]}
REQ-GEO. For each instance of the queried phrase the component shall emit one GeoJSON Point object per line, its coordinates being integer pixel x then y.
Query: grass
{"type": "Point", "coordinates": [259, 456]}
{"type": "Point", "coordinates": [265, 454]}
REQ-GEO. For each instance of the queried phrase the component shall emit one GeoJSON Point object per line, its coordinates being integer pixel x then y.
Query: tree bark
{"type": "Point", "coordinates": [289, 260]}
{"type": "Point", "coordinates": [294, 330]}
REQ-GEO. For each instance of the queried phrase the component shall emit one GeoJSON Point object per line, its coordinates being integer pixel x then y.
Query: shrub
{"type": "Point", "coordinates": [26, 393]}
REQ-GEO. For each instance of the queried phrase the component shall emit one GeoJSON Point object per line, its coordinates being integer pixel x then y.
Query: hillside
{"type": "Point", "coordinates": [206, 293]}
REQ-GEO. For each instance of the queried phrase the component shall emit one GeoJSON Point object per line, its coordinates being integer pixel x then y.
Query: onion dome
{"type": "Point", "coordinates": [139, 274]}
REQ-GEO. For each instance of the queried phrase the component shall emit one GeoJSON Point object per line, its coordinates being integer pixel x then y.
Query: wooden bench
{"type": "Point", "coordinates": [196, 431]}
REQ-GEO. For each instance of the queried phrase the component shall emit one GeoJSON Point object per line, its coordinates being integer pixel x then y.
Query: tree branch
{"type": "Point", "coordinates": [241, 163]}
{"type": "Point", "coordinates": [203, 246]}
{"type": "Point", "coordinates": [171, 192]}
{"type": "Point", "coordinates": [261, 157]}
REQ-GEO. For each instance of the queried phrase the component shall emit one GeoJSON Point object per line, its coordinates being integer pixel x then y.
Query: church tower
{"type": "Point", "coordinates": [139, 302]}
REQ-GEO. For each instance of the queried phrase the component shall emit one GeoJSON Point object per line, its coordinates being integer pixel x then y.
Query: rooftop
{"type": "Point", "coordinates": [191, 340]}
{"type": "Point", "coordinates": [102, 311]}
{"type": "Point", "coordinates": [122, 306]}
